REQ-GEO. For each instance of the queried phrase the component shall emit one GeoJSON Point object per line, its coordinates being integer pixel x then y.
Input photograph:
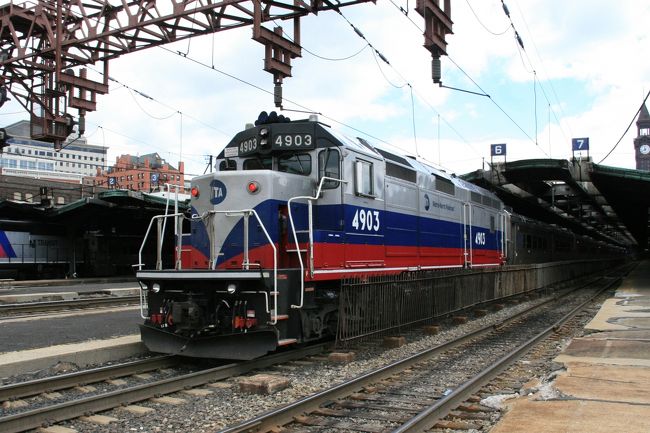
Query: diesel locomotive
{"type": "Point", "coordinates": [293, 209]}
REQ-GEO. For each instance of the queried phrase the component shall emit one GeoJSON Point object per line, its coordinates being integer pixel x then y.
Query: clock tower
{"type": "Point", "coordinates": [642, 141]}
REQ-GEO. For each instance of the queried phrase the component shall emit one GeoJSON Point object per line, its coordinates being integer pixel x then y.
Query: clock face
{"type": "Point", "coordinates": [645, 149]}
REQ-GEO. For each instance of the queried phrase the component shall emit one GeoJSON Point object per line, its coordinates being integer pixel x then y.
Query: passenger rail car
{"type": "Point", "coordinates": [531, 241]}
{"type": "Point", "coordinates": [294, 208]}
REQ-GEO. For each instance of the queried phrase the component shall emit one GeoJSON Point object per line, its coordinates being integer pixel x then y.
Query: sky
{"type": "Point", "coordinates": [583, 72]}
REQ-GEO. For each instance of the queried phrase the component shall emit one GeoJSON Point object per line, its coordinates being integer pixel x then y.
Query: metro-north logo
{"type": "Point", "coordinates": [218, 191]}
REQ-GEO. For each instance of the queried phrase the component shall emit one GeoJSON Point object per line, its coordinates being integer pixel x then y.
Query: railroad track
{"type": "Point", "coordinates": [74, 408]}
{"type": "Point", "coordinates": [110, 398]}
{"type": "Point", "coordinates": [12, 310]}
{"type": "Point", "coordinates": [412, 394]}
{"type": "Point", "coordinates": [65, 381]}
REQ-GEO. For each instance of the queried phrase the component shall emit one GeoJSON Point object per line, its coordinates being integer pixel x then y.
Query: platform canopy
{"type": "Point", "coordinates": [608, 203]}
{"type": "Point", "coordinates": [115, 211]}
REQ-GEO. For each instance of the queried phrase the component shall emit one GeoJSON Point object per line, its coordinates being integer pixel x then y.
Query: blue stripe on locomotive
{"type": "Point", "coordinates": [394, 229]}
{"type": "Point", "coordinates": [6, 245]}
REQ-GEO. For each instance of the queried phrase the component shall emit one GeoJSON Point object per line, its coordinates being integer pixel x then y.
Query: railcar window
{"type": "Point", "coordinates": [392, 157]}
{"type": "Point", "coordinates": [363, 178]}
{"type": "Point", "coordinates": [228, 164]}
{"type": "Point", "coordinates": [296, 163]}
{"type": "Point", "coordinates": [328, 166]}
{"type": "Point", "coordinates": [258, 163]}
{"type": "Point", "coordinates": [445, 185]}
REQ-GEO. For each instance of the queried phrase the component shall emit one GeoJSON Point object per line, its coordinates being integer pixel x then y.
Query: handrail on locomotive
{"type": "Point", "coordinates": [246, 264]}
{"type": "Point", "coordinates": [310, 228]}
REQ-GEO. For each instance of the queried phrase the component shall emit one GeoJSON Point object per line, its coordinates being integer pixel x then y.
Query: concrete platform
{"type": "Point", "coordinates": [36, 297]}
{"type": "Point", "coordinates": [607, 378]}
{"type": "Point", "coordinates": [80, 354]}
{"type": "Point", "coordinates": [125, 291]}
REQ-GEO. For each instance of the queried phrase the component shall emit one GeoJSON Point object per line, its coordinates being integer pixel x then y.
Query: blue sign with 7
{"type": "Point", "coordinates": [580, 143]}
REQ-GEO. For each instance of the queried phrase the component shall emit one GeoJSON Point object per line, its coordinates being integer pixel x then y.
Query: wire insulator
{"type": "Point", "coordinates": [436, 70]}
{"type": "Point", "coordinates": [521, 43]}
{"type": "Point", "coordinates": [81, 125]}
{"type": "Point", "coordinates": [505, 9]}
{"type": "Point", "coordinates": [381, 56]}
{"type": "Point", "coordinates": [277, 94]}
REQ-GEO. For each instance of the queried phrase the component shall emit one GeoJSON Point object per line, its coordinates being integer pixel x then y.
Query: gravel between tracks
{"type": "Point", "coordinates": [227, 405]}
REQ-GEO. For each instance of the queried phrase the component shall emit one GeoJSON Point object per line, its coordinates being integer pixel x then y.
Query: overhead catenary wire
{"type": "Point", "coordinates": [305, 108]}
{"type": "Point", "coordinates": [498, 106]}
{"type": "Point", "coordinates": [406, 82]}
{"type": "Point", "coordinates": [484, 93]}
{"type": "Point", "coordinates": [521, 49]}
{"type": "Point", "coordinates": [375, 51]}
{"type": "Point", "coordinates": [379, 54]}
{"type": "Point", "coordinates": [174, 109]}
{"type": "Point", "coordinates": [557, 99]}
{"type": "Point", "coordinates": [626, 129]}
{"type": "Point", "coordinates": [483, 25]}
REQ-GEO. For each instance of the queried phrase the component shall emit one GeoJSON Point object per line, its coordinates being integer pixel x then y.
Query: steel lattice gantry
{"type": "Point", "coordinates": [43, 43]}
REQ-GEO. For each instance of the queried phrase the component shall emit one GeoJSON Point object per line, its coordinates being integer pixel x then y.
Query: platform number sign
{"type": "Point", "coordinates": [154, 178]}
{"type": "Point", "coordinates": [498, 149]}
{"type": "Point", "coordinates": [578, 144]}
{"type": "Point", "coordinates": [111, 181]}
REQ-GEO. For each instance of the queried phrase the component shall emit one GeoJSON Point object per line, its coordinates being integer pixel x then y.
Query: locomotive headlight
{"type": "Point", "coordinates": [155, 288]}
{"type": "Point", "coordinates": [195, 192]}
{"type": "Point", "coordinates": [231, 288]}
{"type": "Point", "coordinates": [253, 187]}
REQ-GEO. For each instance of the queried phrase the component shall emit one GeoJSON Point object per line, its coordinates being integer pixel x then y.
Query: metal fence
{"type": "Point", "coordinates": [377, 305]}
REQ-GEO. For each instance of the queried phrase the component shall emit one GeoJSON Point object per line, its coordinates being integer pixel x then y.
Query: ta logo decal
{"type": "Point", "coordinates": [427, 203]}
{"type": "Point", "coordinates": [218, 191]}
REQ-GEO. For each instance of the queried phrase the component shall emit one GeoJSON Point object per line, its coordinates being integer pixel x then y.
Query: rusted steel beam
{"type": "Point", "coordinates": [39, 43]}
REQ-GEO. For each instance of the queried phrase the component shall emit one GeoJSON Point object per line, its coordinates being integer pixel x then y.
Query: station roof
{"type": "Point", "coordinates": [604, 202]}
{"type": "Point", "coordinates": [129, 211]}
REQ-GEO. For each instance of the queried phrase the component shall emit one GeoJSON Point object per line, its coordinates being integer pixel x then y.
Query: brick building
{"type": "Point", "coordinates": [44, 191]}
{"type": "Point", "coordinates": [139, 173]}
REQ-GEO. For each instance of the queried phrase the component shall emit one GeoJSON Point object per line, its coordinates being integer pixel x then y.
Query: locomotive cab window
{"type": "Point", "coordinates": [258, 163]}
{"type": "Point", "coordinates": [296, 163]}
{"type": "Point", "coordinates": [328, 166]}
{"type": "Point", "coordinates": [363, 178]}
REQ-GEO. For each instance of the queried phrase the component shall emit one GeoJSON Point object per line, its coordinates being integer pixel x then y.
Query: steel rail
{"type": "Point", "coordinates": [72, 409]}
{"type": "Point", "coordinates": [60, 305]}
{"type": "Point", "coordinates": [426, 419]}
{"type": "Point", "coordinates": [54, 383]}
{"type": "Point", "coordinates": [283, 415]}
